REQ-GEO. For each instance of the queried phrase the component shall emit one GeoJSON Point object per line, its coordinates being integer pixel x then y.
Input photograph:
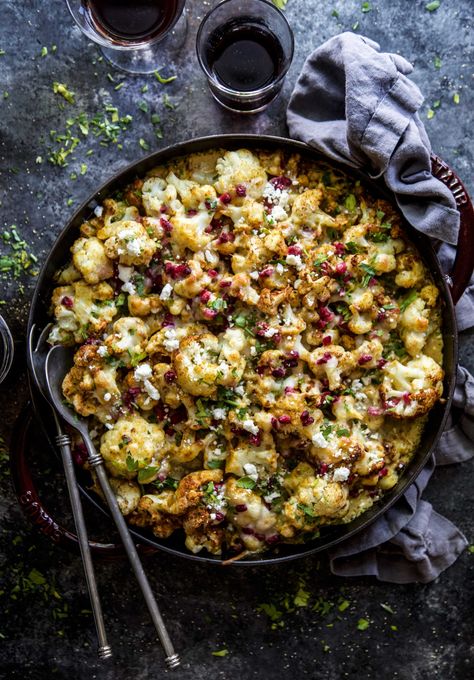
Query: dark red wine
{"type": "Point", "coordinates": [129, 21]}
{"type": "Point", "coordinates": [244, 56]}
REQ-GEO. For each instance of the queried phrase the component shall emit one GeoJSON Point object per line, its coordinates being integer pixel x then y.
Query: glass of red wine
{"type": "Point", "coordinates": [133, 34]}
{"type": "Point", "coordinates": [245, 48]}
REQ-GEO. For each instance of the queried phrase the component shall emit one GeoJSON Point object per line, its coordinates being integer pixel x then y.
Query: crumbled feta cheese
{"type": "Point", "coordinates": [279, 268]}
{"type": "Point", "coordinates": [251, 470]}
{"type": "Point", "coordinates": [218, 413]}
{"type": "Point", "coordinates": [270, 332]}
{"type": "Point", "coordinates": [341, 474]}
{"type": "Point", "coordinates": [129, 288]}
{"type": "Point", "coordinates": [250, 426]}
{"type": "Point", "coordinates": [239, 390]}
{"type": "Point", "coordinates": [151, 390]}
{"type": "Point", "coordinates": [107, 396]}
{"type": "Point", "coordinates": [124, 273]}
{"type": "Point", "coordinates": [279, 213]}
{"type": "Point", "coordinates": [102, 351]}
{"type": "Point", "coordinates": [166, 291]}
{"type": "Point", "coordinates": [319, 440]}
{"type": "Point", "coordinates": [134, 247]}
{"type": "Point", "coordinates": [271, 496]}
{"type": "Point", "coordinates": [254, 276]}
{"type": "Point", "coordinates": [294, 260]}
{"type": "Point", "coordinates": [171, 343]}
{"type": "Point", "coordinates": [253, 351]}
{"type": "Point", "coordinates": [143, 372]}
{"type": "Point", "coordinates": [98, 210]}
{"type": "Point", "coordinates": [109, 426]}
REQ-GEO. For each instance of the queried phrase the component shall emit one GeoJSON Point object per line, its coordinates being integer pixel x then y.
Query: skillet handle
{"type": "Point", "coordinates": [34, 509]}
{"type": "Point", "coordinates": [464, 262]}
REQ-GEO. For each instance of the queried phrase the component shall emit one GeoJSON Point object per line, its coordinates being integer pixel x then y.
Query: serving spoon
{"type": "Point", "coordinates": [36, 362]}
{"type": "Point", "coordinates": [58, 361]}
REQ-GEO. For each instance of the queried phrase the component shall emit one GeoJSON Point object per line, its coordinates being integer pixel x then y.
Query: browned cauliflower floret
{"type": "Point", "coordinates": [414, 322]}
{"type": "Point", "coordinates": [306, 213]}
{"type": "Point", "coordinates": [127, 339]}
{"type": "Point", "coordinates": [189, 230]}
{"type": "Point", "coordinates": [130, 244]}
{"type": "Point", "coordinates": [240, 167]}
{"type": "Point", "coordinates": [196, 364]}
{"type": "Point", "coordinates": [81, 310]}
{"type": "Point", "coordinates": [131, 445]}
{"type": "Point", "coordinates": [156, 194]}
{"type": "Point", "coordinates": [127, 493]}
{"type": "Point", "coordinates": [412, 389]}
{"type": "Point", "coordinates": [201, 531]}
{"type": "Point", "coordinates": [410, 270]}
{"type": "Point", "coordinates": [256, 521]}
{"type": "Point", "coordinates": [88, 255]}
{"type": "Point", "coordinates": [152, 511]}
{"type": "Point", "coordinates": [194, 195]}
{"type": "Point", "coordinates": [192, 490]}
{"type": "Point", "coordinates": [330, 362]}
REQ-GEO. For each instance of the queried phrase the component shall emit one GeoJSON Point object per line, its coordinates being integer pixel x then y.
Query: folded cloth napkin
{"type": "Point", "coordinates": [356, 105]}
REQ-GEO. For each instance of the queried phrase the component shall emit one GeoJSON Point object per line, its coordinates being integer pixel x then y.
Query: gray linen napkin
{"type": "Point", "coordinates": [356, 105]}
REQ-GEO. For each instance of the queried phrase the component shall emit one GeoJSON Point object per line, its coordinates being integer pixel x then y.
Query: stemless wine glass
{"type": "Point", "coordinates": [133, 34]}
{"type": "Point", "coordinates": [245, 48]}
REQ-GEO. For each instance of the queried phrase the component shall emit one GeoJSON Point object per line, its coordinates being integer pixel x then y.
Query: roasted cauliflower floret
{"type": "Point", "coordinates": [191, 231]}
{"type": "Point", "coordinates": [192, 194]}
{"type": "Point", "coordinates": [156, 195]}
{"type": "Point", "coordinates": [410, 270]}
{"type": "Point", "coordinates": [196, 364]}
{"type": "Point", "coordinates": [88, 255]}
{"type": "Point", "coordinates": [131, 445]}
{"type": "Point", "coordinates": [240, 167]}
{"type": "Point", "coordinates": [130, 244]}
{"type": "Point", "coordinates": [306, 213]}
{"type": "Point", "coordinates": [127, 493]}
{"type": "Point", "coordinates": [414, 321]}
{"type": "Point", "coordinates": [152, 511]}
{"type": "Point", "coordinates": [412, 389]}
{"type": "Point", "coordinates": [254, 520]}
{"type": "Point", "coordinates": [127, 340]}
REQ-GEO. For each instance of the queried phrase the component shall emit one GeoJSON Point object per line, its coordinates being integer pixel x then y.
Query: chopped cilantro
{"type": "Point", "coordinates": [215, 464]}
{"type": "Point", "coordinates": [306, 509]}
{"type": "Point", "coordinates": [271, 611]}
{"type": "Point", "coordinates": [218, 305]}
{"type": "Point", "coordinates": [246, 483]}
{"type": "Point", "coordinates": [471, 549]}
{"type": "Point", "coordinates": [366, 7]}
{"type": "Point", "coordinates": [363, 624]}
{"type": "Point", "coordinates": [146, 474]}
{"type": "Point", "coordinates": [60, 88]}
{"type": "Point", "coordinates": [168, 103]}
{"type": "Point", "coordinates": [335, 13]}
{"type": "Point", "coordinates": [280, 4]}
{"type": "Point", "coordinates": [131, 463]}
{"type": "Point", "coordinates": [302, 596]}
{"type": "Point", "coordinates": [167, 483]}
{"type": "Point", "coordinates": [344, 605]}
{"type": "Point", "coordinates": [44, 51]}
{"type": "Point", "coordinates": [432, 6]}
{"type": "Point", "coordinates": [430, 114]}
{"type": "Point", "coordinates": [369, 273]}
{"type": "Point", "coordinates": [319, 260]}
{"type": "Point", "coordinates": [437, 62]}
{"type": "Point", "coordinates": [411, 297]}
{"type": "Point", "coordinates": [456, 98]}
{"type": "Point", "coordinates": [143, 106]}
{"type": "Point", "coordinates": [83, 168]}
{"type": "Point", "coordinates": [143, 144]}
{"type": "Point", "coordinates": [119, 86]}
{"type": "Point", "coordinates": [353, 247]}
{"type": "Point", "coordinates": [145, 88]}
{"type": "Point", "coordinates": [155, 119]}
{"type": "Point", "coordinates": [220, 652]}
{"type": "Point", "coordinates": [343, 432]}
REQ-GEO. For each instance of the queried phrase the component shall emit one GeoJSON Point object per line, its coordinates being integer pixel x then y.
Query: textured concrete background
{"type": "Point", "coordinates": [415, 632]}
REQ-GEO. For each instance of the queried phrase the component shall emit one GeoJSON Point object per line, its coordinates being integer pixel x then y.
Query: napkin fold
{"type": "Point", "coordinates": [357, 106]}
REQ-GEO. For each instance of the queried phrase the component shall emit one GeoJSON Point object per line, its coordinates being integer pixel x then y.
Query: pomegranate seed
{"type": "Point", "coordinates": [225, 284]}
{"type": "Point", "coordinates": [219, 516]}
{"type": "Point", "coordinates": [339, 248]}
{"type": "Point", "coordinates": [326, 268]}
{"type": "Point", "coordinates": [209, 229]}
{"type": "Point", "coordinates": [326, 314]}
{"type": "Point", "coordinates": [260, 537]}
{"type": "Point", "coordinates": [209, 313]}
{"type": "Point", "coordinates": [192, 212]}
{"type": "Point", "coordinates": [164, 208]}
{"type": "Point", "coordinates": [255, 439]}
{"type": "Point", "coordinates": [364, 359]}
{"type": "Point", "coordinates": [205, 296]}
{"type": "Point", "coordinates": [327, 340]}
{"type": "Point", "coordinates": [271, 540]}
{"type": "Point", "coordinates": [323, 468]}
{"type": "Point", "coordinates": [281, 182]}
{"type": "Point", "coordinates": [262, 328]}
{"type": "Point", "coordinates": [284, 419]}
{"type": "Point", "coordinates": [306, 419]}
{"type": "Point", "coordinates": [265, 273]}
{"type": "Point", "coordinates": [225, 198]}
{"type": "Point", "coordinates": [226, 237]}
{"type": "Point", "coordinates": [212, 273]}
{"type": "Point", "coordinates": [383, 472]}
{"type": "Point", "coordinates": [168, 320]}
{"type": "Point", "coordinates": [373, 282]}
{"type": "Point", "coordinates": [324, 359]}
{"type": "Point", "coordinates": [290, 390]}
{"type": "Point", "coordinates": [295, 250]}
{"type": "Point", "coordinates": [406, 397]}
{"type": "Point", "coordinates": [170, 377]}
{"type": "Point", "coordinates": [274, 423]}
{"type": "Point", "coordinates": [67, 302]}
{"type": "Point", "coordinates": [169, 268]}
{"type": "Point", "coordinates": [341, 268]}
{"type": "Point", "coordinates": [178, 415]}
{"type": "Point", "coordinates": [294, 354]}
{"type": "Point", "coordinates": [290, 363]}
{"type": "Point", "coordinates": [248, 531]}
{"type": "Point", "coordinates": [241, 507]}
{"type": "Point", "coordinates": [279, 372]}
{"type": "Point", "coordinates": [381, 363]}
{"type": "Point", "coordinates": [374, 411]}
{"type": "Point", "coordinates": [79, 454]}
{"type": "Point", "coordinates": [241, 190]}
{"type": "Point", "coordinates": [276, 338]}
{"type": "Point", "coordinates": [181, 271]}
{"type": "Point", "coordinates": [166, 224]}
{"type": "Point", "coordinates": [381, 315]}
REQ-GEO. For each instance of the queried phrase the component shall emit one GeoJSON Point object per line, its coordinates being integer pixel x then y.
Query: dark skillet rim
{"type": "Point", "coordinates": [413, 469]}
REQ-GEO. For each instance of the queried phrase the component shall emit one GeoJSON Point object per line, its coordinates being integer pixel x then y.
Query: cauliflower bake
{"type": "Point", "coordinates": [257, 343]}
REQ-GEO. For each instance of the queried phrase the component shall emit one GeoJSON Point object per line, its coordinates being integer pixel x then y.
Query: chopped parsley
{"type": "Point", "coordinates": [369, 273]}
{"type": "Point", "coordinates": [220, 652]}
{"type": "Point", "coordinates": [363, 624]}
{"type": "Point", "coordinates": [130, 462]}
{"type": "Point", "coordinates": [411, 297]}
{"type": "Point", "coordinates": [246, 483]}
{"type": "Point", "coordinates": [146, 474]}
{"type": "Point", "coordinates": [306, 509]}
{"type": "Point", "coordinates": [60, 88]}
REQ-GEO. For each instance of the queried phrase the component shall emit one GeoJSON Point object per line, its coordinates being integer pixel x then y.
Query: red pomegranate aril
{"type": "Point", "coordinates": [274, 423]}
{"type": "Point", "coordinates": [339, 248]}
{"type": "Point", "coordinates": [191, 212]}
{"type": "Point", "coordinates": [381, 315]}
{"type": "Point", "coordinates": [209, 313]}
{"type": "Point", "coordinates": [281, 182]}
{"type": "Point", "coordinates": [260, 537]}
{"type": "Point", "coordinates": [295, 250]}
{"type": "Point", "coordinates": [290, 390]}
{"type": "Point", "coordinates": [170, 377]}
{"type": "Point", "coordinates": [279, 372]}
{"type": "Point", "coordinates": [205, 296]}
{"type": "Point", "coordinates": [276, 339]}
{"type": "Point", "coordinates": [306, 419]}
{"type": "Point", "coordinates": [241, 190]}
{"type": "Point", "coordinates": [383, 472]}
{"type": "Point", "coordinates": [166, 224]}
{"type": "Point", "coordinates": [164, 208]}
{"type": "Point", "coordinates": [209, 229]}
{"type": "Point", "coordinates": [182, 270]}
{"type": "Point", "coordinates": [219, 516]}
{"type": "Point", "coordinates": [326, 314]}
{"type": "Point", "coordinates": [323, 468]}
{"type": "Point", "coordinates": [364, 359]}
{"type": "Point", "coordinates": [324, 359]}
{"type": "Point", "coordinates": [290, 363]}
{"type": "Point", "coordinates": [271, 540]}
{"type": "Point", "coordinates": [327, 340]}
{"type": "Point", "coordinates": [212, 273]}
{"type": "Point", "coordinates": [373, 282]}
{"type": "Point", "coordinates": [225, 198]}
{"type": "Point", "coordinates": [225, 284]}
{"type": "Point", "coordinates": [168, 320]}
{"type": "Point", "coordinates": [225, 237]}
{"type": "Point", "coordinates": [241, 507]}
{"type": "Point", "coordinates": [374, 411]}
{"type": "Point", "coordinates": [341, 268]}
{"type": "Point", "coordinates": [67, 302]}
{"type": "Point", "coordinates": [284, 419]}
{"type": "Point", "coordinates": [248, 531]}
{"type": "Point", "coordinates": [255, 439]}
{"type": "Point", "coordinates": [406, 396]}
{"type": "Point", "coordinates": [265, 273]}
{"type": "Point", "coordinates": [381, 363]}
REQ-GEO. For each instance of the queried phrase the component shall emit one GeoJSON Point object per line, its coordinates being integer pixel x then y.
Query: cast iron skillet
{"type": "Point", "coordinates": [451, 288]}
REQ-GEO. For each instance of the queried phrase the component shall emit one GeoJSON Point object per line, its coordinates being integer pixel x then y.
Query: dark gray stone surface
{"type": "Point", "coordinates": [416, 632]}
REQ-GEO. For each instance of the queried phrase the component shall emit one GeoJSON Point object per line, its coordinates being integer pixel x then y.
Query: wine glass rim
{"type": "Point", "coordinates": [250, 93]}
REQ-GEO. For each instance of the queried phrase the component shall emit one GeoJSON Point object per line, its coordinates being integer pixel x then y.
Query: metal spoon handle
{"type": "Point", "coordinates": [95, 460]}
{"type": "Point", "coordinates": [63, 441]}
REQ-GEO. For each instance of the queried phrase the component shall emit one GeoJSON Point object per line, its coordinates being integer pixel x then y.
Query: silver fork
{"type": "Point", "coordinates": [58, 362]}
{"type": "Point", "coordinates": [36, 363]}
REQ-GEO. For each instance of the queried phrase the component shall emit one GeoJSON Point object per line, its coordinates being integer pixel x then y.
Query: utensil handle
{"type": "Point", "coordinates": [32, 505]}
{"type": "Point", "coordinates": [96, 461]}
{"type": "Point", "coordinates": [64, 444]}
{"type": "Point", "coordinates": [464, 262]}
